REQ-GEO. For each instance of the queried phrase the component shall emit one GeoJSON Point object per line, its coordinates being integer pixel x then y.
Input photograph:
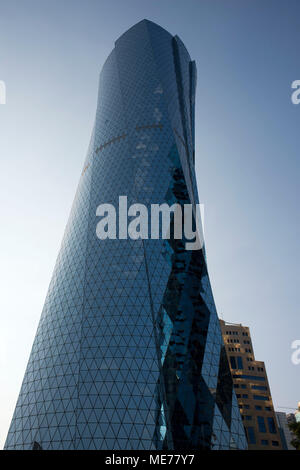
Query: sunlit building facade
{"type": "Point", "coordinates": [128, 353]}
{"type": "Point", "coordinates": [252, 389]}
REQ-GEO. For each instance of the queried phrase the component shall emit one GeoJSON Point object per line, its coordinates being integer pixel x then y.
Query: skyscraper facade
{"type": "Point", "coordinates": [252, 388]}
{"type": "Point", "coordinates": [128, 353]}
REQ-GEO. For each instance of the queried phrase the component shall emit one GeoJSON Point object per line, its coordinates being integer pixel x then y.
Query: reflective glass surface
{"type": "Point", "coordinates": [128, 353]}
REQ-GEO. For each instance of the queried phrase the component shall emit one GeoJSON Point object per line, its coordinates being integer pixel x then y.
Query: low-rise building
{"type": "Point", "coordinates": [284, 430]}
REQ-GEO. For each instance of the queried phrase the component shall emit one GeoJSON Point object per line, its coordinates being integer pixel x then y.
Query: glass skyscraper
{"type": "Point", "coordinates": [128, 353]}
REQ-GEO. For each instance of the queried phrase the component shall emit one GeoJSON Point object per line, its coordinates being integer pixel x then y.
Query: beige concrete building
{"type": "Point", "coordinates": [252, 389]}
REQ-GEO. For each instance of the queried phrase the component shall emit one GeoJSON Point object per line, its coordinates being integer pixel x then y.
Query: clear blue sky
{"type": "Point", "coordinates": [247, 153]}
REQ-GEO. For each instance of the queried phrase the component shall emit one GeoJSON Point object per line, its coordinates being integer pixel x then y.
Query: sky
{"type": "Point", "coordinates": [247, 159]}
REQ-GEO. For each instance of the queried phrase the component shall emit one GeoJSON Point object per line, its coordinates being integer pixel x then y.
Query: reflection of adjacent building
{"type": "Point", "coordinates": [284, 430]}
{"type": "Point", "coordinates": [252, 389]}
